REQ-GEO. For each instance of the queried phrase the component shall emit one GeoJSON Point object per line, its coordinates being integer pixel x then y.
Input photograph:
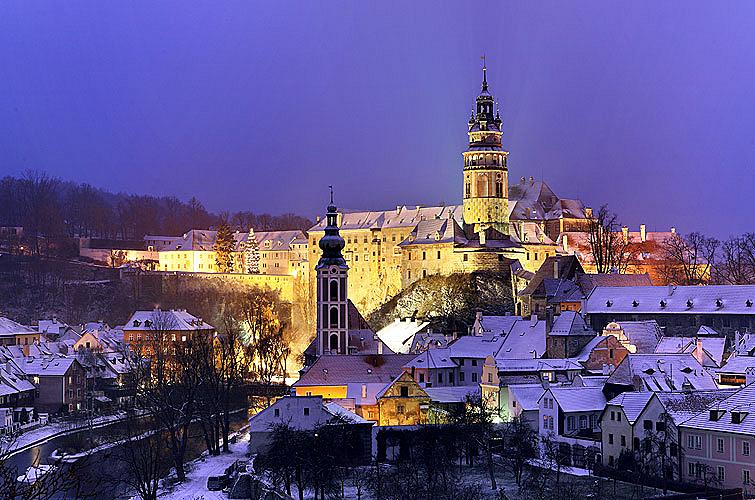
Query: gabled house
{"type": "Point", "coordinates": [12, 333]}
{"type": "Point", "coordinates": [569, 416]}
{"type": "Point", "coordinates": [307, 413]}
{"type": "Point", "coordinates": [402, 402]}
{"type": "Point", "coordinates": [353, 381]}
{"type": "Point", "coordinates": [60, 383]}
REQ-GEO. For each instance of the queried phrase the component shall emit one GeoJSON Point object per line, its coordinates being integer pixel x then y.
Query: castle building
{"type": "Point", "coordinates": [496, 224]}
{"type": "Point", "coordinates": [332, 290]}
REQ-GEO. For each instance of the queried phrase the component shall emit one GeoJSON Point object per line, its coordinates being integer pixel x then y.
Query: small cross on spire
{"type": "Point", "coordinates": [331, 194]}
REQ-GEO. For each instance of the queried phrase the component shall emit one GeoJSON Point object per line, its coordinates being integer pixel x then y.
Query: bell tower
{"type": "Point", "coordinates": [486, 182]}
{"type": "Point", "coordinates": [332, 289]}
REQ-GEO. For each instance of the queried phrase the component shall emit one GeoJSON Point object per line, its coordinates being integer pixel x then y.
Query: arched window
{"type": "Point", "coordinates": [333, 317]}
{"type": "Point", "coordinates": [333, 290]}
{"type": "Point", "coordinates": [334, 342]}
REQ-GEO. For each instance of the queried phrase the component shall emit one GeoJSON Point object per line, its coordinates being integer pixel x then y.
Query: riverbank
{"type": "Point", "coordinates": [51, 431]}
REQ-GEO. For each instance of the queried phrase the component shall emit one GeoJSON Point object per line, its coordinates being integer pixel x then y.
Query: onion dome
{"type": "Point", "coordinates": [332, 243]}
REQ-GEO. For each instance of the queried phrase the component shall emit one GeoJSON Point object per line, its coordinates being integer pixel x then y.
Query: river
{"type": "Point", "coordinates": [105, 470]}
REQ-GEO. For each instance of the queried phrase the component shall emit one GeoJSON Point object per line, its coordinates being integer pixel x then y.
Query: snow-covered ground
{"type": "Point", "coordinates": [43, 434]}
{"type": "Point", "coordinates": [205, 466]}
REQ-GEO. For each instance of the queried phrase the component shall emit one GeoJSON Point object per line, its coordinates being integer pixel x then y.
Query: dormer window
{"type": "Point", "coordinates": [738, 416]}
{"type": "Point", "coordinates": [663, 304]}
{"type": "Point", "coordinates": [635, 303]}
{"type": "Point", "coordinates": [689, 304]}
{"type": "Point", "coordinates": [719, 303]}
{"type": "Point", "coordinates": [137, 322]}
{"type": "Point", "coordinates": [147, 323]}
{"type": "Point", "coordinates": [748, 303]}
{"type": "Point", "coordinates": [715, 415]}
{"type": "Point", "coordinates": [609, 303]}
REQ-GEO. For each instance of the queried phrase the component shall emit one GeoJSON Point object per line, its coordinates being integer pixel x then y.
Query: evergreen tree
{"type": "Point", "coordinates": [224, 247]}
{"type": "Point", "coordinates": [252, 254]}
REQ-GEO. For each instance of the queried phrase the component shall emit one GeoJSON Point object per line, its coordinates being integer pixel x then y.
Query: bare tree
{"type": "Point", "coordinates": [520, 446]}
{"type": "Point", "coordinates": [688, 259]}
{"type": "Point", "coordinates": [609, 249]}
{"type": "Point", "coordinates": [168, 384]}
{"type": "Point", "coordinates": [735, 264]}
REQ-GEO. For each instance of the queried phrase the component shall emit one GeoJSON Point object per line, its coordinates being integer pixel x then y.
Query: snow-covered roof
{"type": "Point", "coordinates": [742, 401]}
{"type": "Point", "coordinates": [399, 335]}
{"type": "Point", "coordinates": [577, 399]}
{"type": "Point", "coordinates": [633, 403]}
{"type": "Point", "coordinates": [526, 340]}
{"type": "Point", "coordinates": [432, 358]}
{"type": "Point", "coordinates": [498, 324]}
{"type": "Point", "coordinates": [476, 346]}
{"type": "Point", "coordinates": [46, 366]}
{"type": "Point", "coordinates": [455, 394]}
{"type": "Point", "coordinates": [570, 323]}
{"type": "Point", "coordinates": [711, 299]}
{"type": "Point", "coordinates": [290, 410]}
{"type": "Point", "coordinates": [10, 327]}
{"type": "Point", "coordinates": [536, 365]}
{"type": "Point", "coordinates": [430, 232]}
{"type": "Point", "coordinates": [681, 406]}
{"type": "Point", "coordinates": [662, 372]}
{"type": "Point", "coordinates": [737, 364]}
{"type": "Point", "coordinates": [644, 335]}
{"type": "Point", "coordinates": [713, 347]}
{"type": "Point", "coordinates": [331, 370]}
{"type": "Point", "coordinates": [173, 319]}
{"type": "Point", "coordinates": [344, 415]}
{"type": "Point", "coordinates": [527, 396]}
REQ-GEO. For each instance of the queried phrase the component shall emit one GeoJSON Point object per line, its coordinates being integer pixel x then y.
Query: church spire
{"type": "Point", "coordinates": [484, 75]}
{"type": "Point", "coordinates": [332, 243]}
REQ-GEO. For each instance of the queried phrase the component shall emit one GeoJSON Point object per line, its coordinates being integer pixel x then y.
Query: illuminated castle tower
{"type": "Point", "coordinates": [486, 183]}
{"type": "Point", "coordinates": [332, 290]}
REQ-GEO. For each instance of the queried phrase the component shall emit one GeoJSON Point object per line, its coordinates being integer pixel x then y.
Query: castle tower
{"type": "Point", "coordinates": [332, 290]}
{"type": "Point", "coordinates": [486, 183]}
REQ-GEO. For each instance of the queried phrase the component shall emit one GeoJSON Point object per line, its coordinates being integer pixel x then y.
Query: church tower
{"type": "Point", "coordinates": [486, 183]}
{"type": "Point", "coordinates": [332, 290]}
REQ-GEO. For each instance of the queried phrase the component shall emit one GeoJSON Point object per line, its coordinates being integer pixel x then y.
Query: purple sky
{"type": "Point", "coordinates": [648, 106]}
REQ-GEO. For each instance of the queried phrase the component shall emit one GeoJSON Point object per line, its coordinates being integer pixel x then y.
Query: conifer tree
{"type": "Point", "coordinates": [252, 253]}
{"type": "Point", "coordinates": [224, 247]}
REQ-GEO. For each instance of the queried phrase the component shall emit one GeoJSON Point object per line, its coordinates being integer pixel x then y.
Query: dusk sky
{"type": "Point", "coordinates": [646, 106]}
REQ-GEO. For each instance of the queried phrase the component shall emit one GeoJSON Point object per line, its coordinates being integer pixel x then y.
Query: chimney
{"type": "Point", "coordinates": [698, 352]}
{"type": "Point", "coordinates": [398, 209]}
{"type": "Point", "coordinates": [482, 237]}
{"type": "Point", "coordinates": [643, 234]}
{"type": "Point", "coordinates": [673, 230]}
{"type": "Point", "coordinates": [532, 180]}
{"type": "Point", "coordinates": [625, 233]}
{"type": "Point", "coordinates": [565, 241]}
{"type": "Point", "coordinates": [555, 269]}
{"type": "Point", "coordinates": [380, 347]}
{"type": "Point", "coordinates": [317, 219]}
{"type": "Point", "coordinates": [588, 212]}
{"type": "Point", "coordinates": [671, 289]}
{"type": "Point", "coordinates": [533, 320]}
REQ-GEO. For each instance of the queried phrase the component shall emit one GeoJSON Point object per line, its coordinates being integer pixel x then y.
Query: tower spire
{"type": "Point", "coordinates": [484, 74]}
